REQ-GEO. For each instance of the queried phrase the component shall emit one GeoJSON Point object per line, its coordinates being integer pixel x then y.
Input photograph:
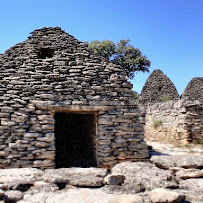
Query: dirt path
{"type": "Point", "coordinates": [158, 148]}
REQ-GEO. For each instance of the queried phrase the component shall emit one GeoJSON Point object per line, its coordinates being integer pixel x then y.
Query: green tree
{"type": "Point", "coordinates": [136, 97]}
{"type": "Point", "coordinates": [127, 56]}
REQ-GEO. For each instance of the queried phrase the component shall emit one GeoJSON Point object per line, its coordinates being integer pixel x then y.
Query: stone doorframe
{"type": "Point", "coordinates": [52, 108]}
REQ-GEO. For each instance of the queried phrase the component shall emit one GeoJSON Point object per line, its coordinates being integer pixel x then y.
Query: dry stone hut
{"type": "Point", "coordinates": [194, 90]}
{"type": "Point", "coordinates": [63, 106]}
{"type": "Point", "coordinates": [176, 120]}
{"type": "Point", "coordinates": [157, 88]}
{"type": "Point", "coordinates": [192, 99]}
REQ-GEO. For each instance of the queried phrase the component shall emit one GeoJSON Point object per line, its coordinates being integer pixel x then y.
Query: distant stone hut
{"type": "Point", "coordinates": [168, 117]}
{"type": "Point", "coordinates": [157, 88]}
{"type": "Point", "coordinates": [63, 106]}
{"type": "Point", "coordinates": [194, 90]}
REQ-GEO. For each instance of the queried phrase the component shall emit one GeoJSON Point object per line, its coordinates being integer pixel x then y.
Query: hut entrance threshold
{"type": "Point", "coordinates": [75, 140]}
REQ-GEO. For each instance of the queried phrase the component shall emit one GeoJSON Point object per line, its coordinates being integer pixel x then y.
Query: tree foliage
{"type": "Point", "coordinates": [136, 97]}
{"type": "Point", "coordinates": [127, 56]}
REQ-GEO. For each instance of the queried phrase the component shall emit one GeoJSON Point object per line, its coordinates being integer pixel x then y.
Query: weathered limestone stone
{"type": "Point", "coordinates": [47, 163]}
{"type": "Point", "coordinates": [13, 196]}
{"type": "Point", "coordinates": [127, 199]}
{"type": "Point", "coordinates": [41, 144]}
{"type": "Point", "coordinates": [114, 179]}
{"type": "Point", "coordinates": [193, 184]}
{"type": "Point", "coordinates": [3, 153]}
{"type": "Point", "coordinates": [180, 161]}
{"type": "Point", "coordinates": [163, 195]}
{"type": "Point", "coordinates": [140, 176]}
{"type": "Point", "coordinates": [46, 155]}
{"type": "Point", "coordinates": [189, 173]}
{"type": "Point", "coordinates": [32, 135]}
{"type": "Point", "coordinates": [19, 179]}
{"type": "Point", "coordinates": [191, 196]}
{"type": "Point", "coordinates": [71, 195]}
{"type": "Point", "coordinates": [40, 186]}
{"type": "Point", "coordinates": [91, 177]}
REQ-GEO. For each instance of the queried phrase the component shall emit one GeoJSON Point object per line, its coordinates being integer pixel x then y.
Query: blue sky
{"type": "Point", "coordinates": [168, 32]}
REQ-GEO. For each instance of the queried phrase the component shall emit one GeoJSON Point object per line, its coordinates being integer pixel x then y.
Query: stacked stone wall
{"type": "Point", "coordinates": [121, 132]}
{"type": "Point", "coordinates": [194, 121]}
{"type": "Point", "coordinates": [174, 121]}
{"type": "Point", "coordinates": [27, 139]}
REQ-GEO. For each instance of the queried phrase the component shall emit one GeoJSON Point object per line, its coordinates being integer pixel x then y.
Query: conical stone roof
{"type": "Point", "coordinates": [52, 65]}
{"type": "Point", "coordinates": [194, 90]}
{"type": "Point", "coordinates": [158, 88]}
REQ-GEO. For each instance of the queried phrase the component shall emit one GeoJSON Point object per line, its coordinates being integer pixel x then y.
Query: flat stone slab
{"type": "Point", "coordinates": [191, 196]}
{"type": "Point", "coordinates": [83, 177]}
{"type": "Point", "coordinates": [165, 196]}
{"type": "Point", "coordinates": [127, 199]}
{"type": "Point", "coordinates": [180, 161]}
{"type": "Point", "coordinates": [13, 196]}
{"type": "Point", "coordinates": [140, 176]}
{"type": "Point", "coordinates": [41, 186]}
{"type": "Point", "coordinates": [194, 184]}
{"type": "Point", "coordinates": [189, 173]}
{"type": "Point", "coordinates": [72, 196]}
{"type": "Point", "coordinates": [16, 178]}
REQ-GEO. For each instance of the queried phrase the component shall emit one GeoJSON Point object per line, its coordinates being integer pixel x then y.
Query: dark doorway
{"type": "Point", "coordinates": [75, 140]}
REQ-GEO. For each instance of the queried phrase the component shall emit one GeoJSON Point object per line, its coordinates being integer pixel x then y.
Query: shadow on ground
{"type": "Point", "coordinates": [153, 152]}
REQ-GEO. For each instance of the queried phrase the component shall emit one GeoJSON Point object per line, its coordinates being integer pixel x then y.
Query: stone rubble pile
{"type": "Point", "coordinates": [181, 180]}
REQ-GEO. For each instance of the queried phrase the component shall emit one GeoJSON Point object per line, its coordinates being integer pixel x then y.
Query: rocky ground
{"type": "Point", "coordinates": [174, 149]}
{"type": "Point", "coordinates": [168, 177]}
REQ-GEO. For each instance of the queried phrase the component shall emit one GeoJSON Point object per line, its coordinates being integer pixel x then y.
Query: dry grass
{"type": "Point", "coordinates": [156, 123]}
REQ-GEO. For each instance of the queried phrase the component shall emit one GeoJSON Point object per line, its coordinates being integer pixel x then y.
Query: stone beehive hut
{"type": "Point", "coordinates": [192, 99]}
{"type": "Point", "coordinates": [157, 88]}
{"type": "Point", "coordinates": [176, 120]}
{"type": "Point", "coordinates": [63, 106]}
{"type": "Point", "coordinates": [194, 90]}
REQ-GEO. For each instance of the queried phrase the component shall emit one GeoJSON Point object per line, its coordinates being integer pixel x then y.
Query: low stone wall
{"type": "Point", "coordinates": [175, 121]}
{"type": "Point", "coordinates": [194, 123]}
{"type": "Point", "coordinates": [121, 135]}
